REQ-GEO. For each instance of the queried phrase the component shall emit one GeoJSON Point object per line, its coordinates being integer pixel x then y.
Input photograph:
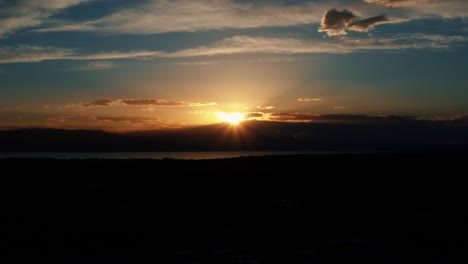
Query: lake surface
{"type": "Point", "coordinates": [160, 155]}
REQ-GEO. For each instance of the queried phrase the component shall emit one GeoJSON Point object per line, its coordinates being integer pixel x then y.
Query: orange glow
{"type": "Point", "coordinates": [232, 118]}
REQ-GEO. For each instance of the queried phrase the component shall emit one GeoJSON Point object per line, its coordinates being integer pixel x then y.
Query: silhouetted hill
{"type": "Point", "coordinates": [253, 135]}
{"type": "Point", "coordinates": [60, 140]}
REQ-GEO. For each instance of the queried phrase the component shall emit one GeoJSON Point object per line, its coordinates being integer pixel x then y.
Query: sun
{"type": "Point", "coordinates": [232, 118]}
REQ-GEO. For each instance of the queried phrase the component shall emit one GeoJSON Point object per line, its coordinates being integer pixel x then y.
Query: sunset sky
{"type": "Point", "coordinates": [123, 65]}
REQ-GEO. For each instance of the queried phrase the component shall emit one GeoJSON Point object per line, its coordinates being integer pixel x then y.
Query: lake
{"type": "Point", "coordinates": [160, 155]}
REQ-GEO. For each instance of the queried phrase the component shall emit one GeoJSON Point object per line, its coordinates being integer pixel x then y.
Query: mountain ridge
{"type": "Point", "coordinates": [251, 135]}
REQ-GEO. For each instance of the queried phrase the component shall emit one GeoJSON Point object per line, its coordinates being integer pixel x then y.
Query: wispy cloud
{"type": "Point", "coordinates": [247, 44]}
{"type": "Point", "coordinates": [109, 123]}
{"type": "Point", "coordinates": [243, 45]}
{"type": "Point", "coordinates": [307, 99]}
{"type": "Point", "coordinates": [195, 112]}
{"type": "Point", "coordinates": [142, 54]}
{"type": "Point", "coordinates": [389, 2]}
{"type": "Point", "coordinates": [26, 53]}
{"type": "Point", "coordinates": [161, 102]}
{"type": "Point", "coordinates": [266, 107]}
{"type": "Point", "coordinates": [159, 16]}
{"type": "Point", "coordinates": [197, 63]}
{"type": "Point", "coordinates": [68, 27]}
{"type": "Point", "coordinates": [102, 102]}
{"type": "Point", "coordinates": [138, 102]}
{"type": "Point", "coordinates": [15, 15]}
{"type": "Point", "coordinates": [427, 8]}
{"type": "Point", "coordinates": [96, 66]}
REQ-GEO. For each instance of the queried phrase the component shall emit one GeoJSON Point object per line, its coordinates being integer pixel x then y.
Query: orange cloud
{"type": "Point", "coordinates": [306, 99]}
{"type": "Point", "coordinates": [266, 107]}
{"type": "Point", "coordinates": [138, 102]}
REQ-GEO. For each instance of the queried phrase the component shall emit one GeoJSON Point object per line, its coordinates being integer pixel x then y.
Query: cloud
{"type": "Point", "coordinates": [404, 41]}
{"type": "Point", "coordinates": [104, 102]}
{"type": "Point", "coordinates": [15, 15]}
{"type": "Point", "coordinates": [243, 45]}
{"type": "Point", "coordinates": [108, 123]}
{"type": "Point", "coordinates": [97, 66]}
{"type": "Point", "coordinates": [233, 45]}
{"type": "Point", "coordinates": [161, 102]}
{"type": "Point", "coordinates": [160, 16]}
{"type": "Point", "coordinates": [26, 53]}
{"type": "Point", "coordinates": [195, 112]}
{"type": "Point", "coordinates": [197, 63]}
{"type": "Point", "coordinates": [126, 119]}
{"type": "Point", "coordinates": [336, 23]}
{"type": "Point", "coordinates": [138, 102]}
{"type": "Point", "coordinates": [266, 107]}
{"type": "Point", "coordinates": [68, 27]}
{"type": "Point", "coordinates": [254, 115]}
{"type": "Point", "coordinates": [338, 118]}
{"type": "Point", "coordinates": [368, 24]}
{"type": "Point", "coordinates": [153, 102]}
{"type": "Point", "coordinates": [421, 9]}
{"type": "Point", "coordinates": [142, 54]}
{"type": "Point", "coordinates": [306, 99]}
{"type": "Point", "coordinates": [247, 44]}
{"type": "Point", "coordinates": [388, 2]}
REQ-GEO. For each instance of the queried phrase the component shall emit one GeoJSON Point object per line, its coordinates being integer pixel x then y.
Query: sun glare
{"type": "Point", "coordinates": [232, 118]}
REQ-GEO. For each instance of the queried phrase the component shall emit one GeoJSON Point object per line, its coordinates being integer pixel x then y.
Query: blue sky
{"type": "Point", "coordinates": [160, 63]}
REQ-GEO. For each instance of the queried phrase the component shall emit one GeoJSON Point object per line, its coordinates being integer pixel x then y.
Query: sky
{"type": "Point", "coordinates": [122, 65]}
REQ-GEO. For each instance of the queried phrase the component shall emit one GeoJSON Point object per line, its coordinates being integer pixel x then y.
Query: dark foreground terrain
{"type": "Point", "coordinates": [301, 209]}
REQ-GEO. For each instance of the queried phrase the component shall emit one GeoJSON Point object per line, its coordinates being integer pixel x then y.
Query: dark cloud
{"type": "Point", "coordinates": [290, 117]}
{"type": "Point", "coordinates": [253, 115]}
{"type": "Point", "coordinates": [367, 24]}
{"type": "Point", "coordinates": [338, 118]}
{"type": "Point", "coordinates": [104, 102]}
{"type": "Point", "coordinates": [336, 23]}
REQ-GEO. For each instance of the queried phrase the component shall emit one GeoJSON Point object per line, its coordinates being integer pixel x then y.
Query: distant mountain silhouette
{"type": "Point", "coordinates": [405, 135]}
